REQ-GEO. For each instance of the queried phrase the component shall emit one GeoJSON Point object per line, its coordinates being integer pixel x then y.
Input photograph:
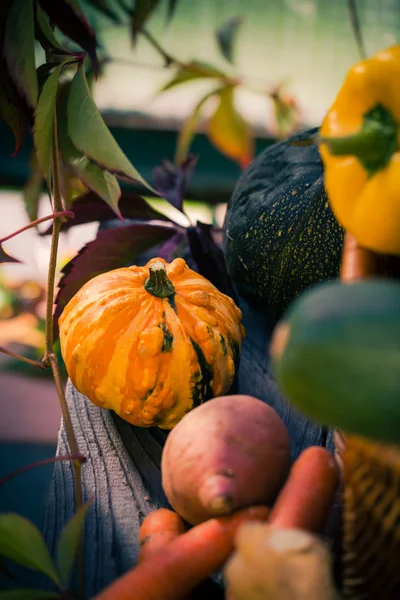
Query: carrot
{"type": "Point", "coordinates": [190, 558]}
{"type": "Point", "coordinates": [307, 496]}
{"type": "Point", "coordinates": [158, 529]}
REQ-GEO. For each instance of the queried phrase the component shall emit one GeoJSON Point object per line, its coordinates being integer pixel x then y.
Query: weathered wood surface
{"type": "Point", "coordinates": [122, 471]}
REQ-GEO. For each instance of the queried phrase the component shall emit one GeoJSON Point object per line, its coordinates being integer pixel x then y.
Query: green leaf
{"type": "Point", "coordinates": [44, 120]}
{"type": "Point", "coordinates": [68, 16]}
{"type": "Point", "coordinates": [45, 34]}
{"type": "Point", "coordinates": [89, 133]}
{"type": "Point", "coordinates": [101, 182]}
{"type": "Point", "coordinates": [19, 50]}
{"type": "Point", "coordinates": [226, 35]}
{"type": "Point", "coordinates": [4, 570]}
{"type": "Point", "coordinates": [11, 113]}
{"type": "Point", "coordinates": [191, 71]}
{"type": "Point", "coordinates": [107, 8]}
{"type": "Point", "coordinates": [33, 189]}
{"type": "Point", "coordinates": [23, 543]}
{"type": "Point", "coordinates": [25, 594]}
{"type": "Point", "coordinates": [188, 129]}
{"type": "Point", "coordinates": [142, 12]}
{"type": "Point", "coordinates": [68, 543]}
{"type": "Point", "coordinates": [172, 4]}
{"type": "Point", "coordinates": [229, 132]}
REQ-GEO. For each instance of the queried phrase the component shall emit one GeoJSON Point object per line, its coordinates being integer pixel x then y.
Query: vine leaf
{"type": "Point", "coordinates": [26, 594]}
{"type": "Point", "coordinates": [33, 189]}
{"type": "Point", "coordinates": [171, 180]}
{"type": "Point", "coordinates": [172, 4]}
{"type": "Point", "coordinates": [229, 132]}
{"type": "Point", "coordinates": [107, 8]}
{"type": "Point", "coordinates": [209, 257]}
{"type": "Point", "coordinates": [173, 248]}
{"type": "Point", "coordinates": [287, 113]}
{"type": "Point", "coordinates": [11, 113]}
{"type": "Point", "coordinates": [44, 33]}
{"type": "Point", "coordinates": [7, 258]}
{"type": "Point", "coordinates": [89, 208]}
{"type": "Point", "coordinates": [188, 129]}
{"type": "Point", "coordinates": [142, 12]}
{"type": "Point", "coordinates": [101, 182]}
{"type": "Point", "coordinates": [44, 120]}
{"type": "Point", "coordinates": [191, 71]}
{"type": "Point", "coordinates": [111, 249]}
{"type": "Point", "coordinates": [226, 36]}
{"type": "Point", "coordinates": [69, 18]}
{"type": "Point", "coordinates": [68, 543]}
{"type": "Point", "coordinates": [22, 542]}
{"type": "Point", "coordinates": [19, 50]}
{"type": "Point", "coordinates": [90, 134]}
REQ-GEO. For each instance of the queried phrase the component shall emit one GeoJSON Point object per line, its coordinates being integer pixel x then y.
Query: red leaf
{"type": "Point", "coordinates": [11, 112]}
{"type": "Point", "coordinates": [7, 258]}
{"type": "Point", "coordinates": [171, 180]}
{"type": "Point", "coordinates": [209, 257]}
{"type": "Point", "coordinates": [89, 208]}
{"type": "Point", "coordinates": [68, 17]}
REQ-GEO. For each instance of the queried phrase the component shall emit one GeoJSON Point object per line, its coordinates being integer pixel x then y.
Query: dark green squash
{"type": "Point", "coordinates": [280, 235]}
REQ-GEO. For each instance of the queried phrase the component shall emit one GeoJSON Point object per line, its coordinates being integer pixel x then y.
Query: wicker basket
{"type": "Point", "coordinates": [370, 557]}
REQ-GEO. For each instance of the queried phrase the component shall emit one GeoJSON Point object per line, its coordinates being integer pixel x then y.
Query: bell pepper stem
{"type": "Point", "coordinates": [374, 144]}
{"type": "Point", "coordinates": [356, 144]}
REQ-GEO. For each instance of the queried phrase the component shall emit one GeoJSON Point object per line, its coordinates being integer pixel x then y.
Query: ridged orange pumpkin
{"type": "Point", "coordinates": [151, 342]}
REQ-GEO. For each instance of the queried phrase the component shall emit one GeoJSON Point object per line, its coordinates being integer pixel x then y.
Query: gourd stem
{"type": "Point", "coordinates": [374, 144]}
{"type": "Point", "coordinates": [158, 282]}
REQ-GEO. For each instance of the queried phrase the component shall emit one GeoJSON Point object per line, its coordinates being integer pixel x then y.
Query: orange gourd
{"type": "Point", "coordinates": [151, 342]}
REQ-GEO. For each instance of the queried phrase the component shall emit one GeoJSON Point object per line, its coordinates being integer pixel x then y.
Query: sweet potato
{"type": "Point", "coordinates": [229, 453]}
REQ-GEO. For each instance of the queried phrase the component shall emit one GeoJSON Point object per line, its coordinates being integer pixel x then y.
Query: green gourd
{"type": "Point", "coordinates": [280, 235]}
{"type": "Point", "coordinates": [336, 356]}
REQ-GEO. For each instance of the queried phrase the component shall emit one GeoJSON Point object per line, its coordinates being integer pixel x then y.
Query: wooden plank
{"type": "Point", "coordinates": [122, 472]}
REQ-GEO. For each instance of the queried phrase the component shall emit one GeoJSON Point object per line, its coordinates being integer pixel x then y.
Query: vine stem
{"type": "Point", "coordinates": [63, 214]}
{"type": "Point", "coordinates": [50, 357]}
{"type": "Point", "coordinates": [29, 361]}
{"type": "Point", "coordinates": [41, 463]}
{"type": "Point", "coordinates": [355, 23]}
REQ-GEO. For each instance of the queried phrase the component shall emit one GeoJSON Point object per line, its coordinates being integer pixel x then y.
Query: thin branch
{"type": "Point", "coordinates": [166, 56]}
{"type": "Point", "coordinates": [50, 357]}
{"type": "Point", "coordinates": [355, 23]}
{"type": "Point", "coordinates": [63, 214]}
{"type": "Point", "coordinates": [247, 82]}
{"type": "Point", "coordinates": [33, 363]}
{"type": "Point", "coordinates": [41, 463]}
{"type": "Point", "coordinates": [170, 60]}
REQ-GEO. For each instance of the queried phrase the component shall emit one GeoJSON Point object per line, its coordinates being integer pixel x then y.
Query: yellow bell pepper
{"type": "Point", "coordinates": [360, 149]}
